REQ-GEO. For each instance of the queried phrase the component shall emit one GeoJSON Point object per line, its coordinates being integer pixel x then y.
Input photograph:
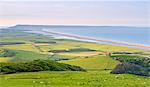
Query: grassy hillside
{"type": "Point", "coordinates": [93, 63]}
{"type": "Point", "coordinates": [37, 46]}
{"type": "Point", "coordinates": [73, 79]}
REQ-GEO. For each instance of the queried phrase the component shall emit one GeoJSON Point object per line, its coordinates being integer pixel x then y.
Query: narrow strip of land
{"type": "Point", "coordinates": [97, 40]}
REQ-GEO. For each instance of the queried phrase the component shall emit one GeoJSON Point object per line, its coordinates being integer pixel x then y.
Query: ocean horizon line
{"type": "Point", "coordinates": [80, 25]}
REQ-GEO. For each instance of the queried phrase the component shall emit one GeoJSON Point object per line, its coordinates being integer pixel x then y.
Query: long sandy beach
{"type": "Point", "coordinates": [96, 40]}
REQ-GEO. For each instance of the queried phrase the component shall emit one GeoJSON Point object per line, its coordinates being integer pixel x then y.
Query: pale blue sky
{"type": "Point", "coordinates": [128, 13]}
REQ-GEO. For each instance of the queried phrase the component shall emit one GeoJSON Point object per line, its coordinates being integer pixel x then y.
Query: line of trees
{"type": "Point", "coordinates": [37, 65]}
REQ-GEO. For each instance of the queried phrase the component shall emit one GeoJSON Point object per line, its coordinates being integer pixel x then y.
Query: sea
{"type": "Point", "coordinates": [134, 35]}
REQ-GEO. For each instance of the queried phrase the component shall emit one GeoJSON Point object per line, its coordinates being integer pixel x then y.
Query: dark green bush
{"type": "Point", "coordinates": [130, 68]}
{"type": "Point", "coordinates": [37, 65]}
{"type": "Point", "coordinates": [131, 64]}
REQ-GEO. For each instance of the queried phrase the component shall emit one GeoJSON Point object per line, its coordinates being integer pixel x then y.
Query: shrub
{"type": "Point", "coordinates": [131, 64]}
{"type": "Point", "coordinates": [37, 65]}
{"type": "Point", "coordinates": [130, 68]}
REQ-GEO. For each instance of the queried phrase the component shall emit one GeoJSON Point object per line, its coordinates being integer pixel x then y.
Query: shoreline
{"type": "Point", "coordinates": [140, 46]}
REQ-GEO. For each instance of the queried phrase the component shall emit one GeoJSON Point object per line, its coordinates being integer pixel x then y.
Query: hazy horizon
{"type": "Point", "coordinates": [95, 13]}
{"type": "Point", "coordinates": [1, 26]}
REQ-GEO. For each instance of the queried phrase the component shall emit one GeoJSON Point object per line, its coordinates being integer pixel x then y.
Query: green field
{"type": "Point", "coordinates": [93, 63]}
{"type": "Point", "coordinates": [28, 56]}
{"type": "Point", "coordinates": [72, 79]}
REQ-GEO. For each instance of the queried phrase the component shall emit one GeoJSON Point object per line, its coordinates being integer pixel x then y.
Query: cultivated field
{"type": "Point", "coordinates": [93, 63]}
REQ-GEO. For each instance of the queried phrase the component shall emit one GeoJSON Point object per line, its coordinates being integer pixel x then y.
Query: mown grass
{"type": "Point", "coordinates": [93, 63]}
{"type": "Point", "coordinates": [73, 79]}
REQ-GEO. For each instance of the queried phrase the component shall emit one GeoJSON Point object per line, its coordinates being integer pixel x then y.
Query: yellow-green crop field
{"type": "Point", "coordinates": [93, 63]}
{"type": "Point", "coordinates": [5, 59]}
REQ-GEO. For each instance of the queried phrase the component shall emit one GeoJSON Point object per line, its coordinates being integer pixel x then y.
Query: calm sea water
{"type": "Point", "coordinates": [139, 35]}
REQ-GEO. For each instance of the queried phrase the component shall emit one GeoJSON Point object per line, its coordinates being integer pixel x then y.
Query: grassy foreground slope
{"type": "Point", "coordinates": [72, 79]}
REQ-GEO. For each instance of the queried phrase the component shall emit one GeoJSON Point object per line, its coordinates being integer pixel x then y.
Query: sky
{"type": "Point", "coordinates": [75, 12]}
